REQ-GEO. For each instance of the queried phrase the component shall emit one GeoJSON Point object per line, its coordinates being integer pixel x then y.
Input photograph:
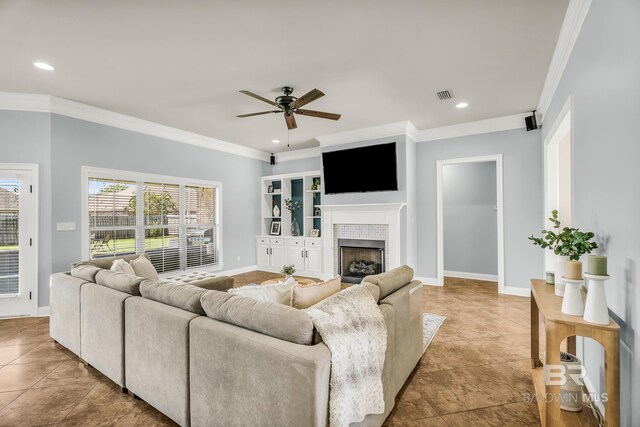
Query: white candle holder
{"type": "Point", "coordinates": [572, 301]}
{"type": "Point", "coordinates": [596, 310]}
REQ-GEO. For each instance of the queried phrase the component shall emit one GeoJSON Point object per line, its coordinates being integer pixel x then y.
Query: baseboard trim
{"type": "Point", "coordinates": [473, 276]}
{"type": "Point", "coordinates": [43, 311]}
{"type": "Point", "coordinates": [429, 281]}
{"type": "Point", "coordinates": [517, 291]}
{"type": "Point", "coordinates": [591, 389]}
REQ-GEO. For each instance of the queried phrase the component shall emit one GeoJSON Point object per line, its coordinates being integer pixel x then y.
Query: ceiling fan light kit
{"type": "Point", "coordinates": [290, 106]}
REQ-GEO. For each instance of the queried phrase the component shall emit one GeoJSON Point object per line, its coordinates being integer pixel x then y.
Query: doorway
{"type": "Point", "coordinates": [18, 230]}
{"type": "Point", "coordinates": [558, 172]}
{"type": "Point", "coordinates": [470, 216]}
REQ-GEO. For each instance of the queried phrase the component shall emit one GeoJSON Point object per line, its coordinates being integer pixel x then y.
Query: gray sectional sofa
{"type": "Point", "coordinates": [207, 358]}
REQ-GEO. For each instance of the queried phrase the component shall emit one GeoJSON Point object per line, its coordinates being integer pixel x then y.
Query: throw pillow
{"type": "Point", "coordinates": [279, 293]}
{"type": "Point", "coordinates": [306, 296]}
{"type": "Point", "coordinates": [143, 268]}
{"type": "Point", "coordinates": [123, 267]}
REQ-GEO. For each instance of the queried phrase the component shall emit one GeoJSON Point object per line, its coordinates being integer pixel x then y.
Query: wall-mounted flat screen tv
{"type": "Point", "coordinates": [361, 170]}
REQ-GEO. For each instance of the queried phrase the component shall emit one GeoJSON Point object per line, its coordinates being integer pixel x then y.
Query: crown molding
{"type": "Point", "coordinates": [569, 32]}
{"type": "Point", "coordinates": [303, 153]}
{"type": "Point", "coordinates": [65, 107]}
{"type": "Point", "coordinates": [364, 134]}
{"type": "Point", "coordinates": [515, 121]}
{"type": "Point", "coordinates": [25, 102]}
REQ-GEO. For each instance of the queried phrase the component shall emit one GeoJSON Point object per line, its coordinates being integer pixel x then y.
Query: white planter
{"type": "Point", "coordinates": [572, 301]}
{"type": "Point", "coordinates": [596, 310]}
{"type": "Point", "coordinates": [559, 273]}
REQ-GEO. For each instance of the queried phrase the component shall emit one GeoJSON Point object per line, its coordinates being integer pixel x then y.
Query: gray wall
{"type": "Point", "coordinates": [412, 202]}
{"type": "Point", "coordinates": [76, 143]}
{"type": "Point", "coordinates": [26, 138]}
{"type": "Point", "coordinates": [469, 208]}
{"type": "Point", "coordinates": [523, 189]}
{"type": "Point", "coordinates": [603, 76]}
{"type": "Point", "coordinates": [292, 166]}
{"type": "Point", "coordinates": [62, 145]}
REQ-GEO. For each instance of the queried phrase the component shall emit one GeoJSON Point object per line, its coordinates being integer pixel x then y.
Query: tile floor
{"type": "Point", "coordinates": [474, 373]}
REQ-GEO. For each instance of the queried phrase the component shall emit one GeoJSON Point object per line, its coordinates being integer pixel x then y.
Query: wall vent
{"type": "Point", "coordinates": [444, 94]}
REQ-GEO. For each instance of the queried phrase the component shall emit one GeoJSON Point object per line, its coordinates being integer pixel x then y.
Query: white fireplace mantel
{"type": "Point", "coordinates": [371, 213]}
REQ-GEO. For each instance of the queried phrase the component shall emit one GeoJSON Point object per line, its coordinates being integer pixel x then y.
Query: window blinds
{"type": "Point", "coordinates": [9, 237]}
{"type": "Point", "coordinates": [175, 224]}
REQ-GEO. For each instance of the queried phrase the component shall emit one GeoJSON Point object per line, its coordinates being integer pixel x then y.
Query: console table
{"type": "Point", "coordinates": [558, 326]}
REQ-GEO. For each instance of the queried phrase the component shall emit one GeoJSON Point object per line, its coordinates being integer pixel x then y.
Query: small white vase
{"type": "Point", "coordinates": [276, 211]}
{"type": "Point", "coordinates": [572, 301]}
{"type": "Point", "coordinates": [559, 273]}
{"type": "Point", "coordinates": [596, 310]}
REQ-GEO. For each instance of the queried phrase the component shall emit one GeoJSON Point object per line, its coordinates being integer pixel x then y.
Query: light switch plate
{"type": "Point", "coordinates": [66, 226]}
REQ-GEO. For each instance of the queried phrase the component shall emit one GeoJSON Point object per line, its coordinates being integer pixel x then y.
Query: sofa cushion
{"type": "Point", "coordinates": [392, 280]}
{"type": "Point", "coordinates": [143, 267]}
{"type": "Point", "coordinates": [184, 296]}
{"type": "Point", "coordinates": [268, 318]}
{"type": "Point", "coordinates": [106, 262]}
{"type": "Point", "coordinates": [85, 270]}
{"type": "Point", "coordinates": [119, 281]}
{"type": "Point", "coordinates": [279, 293]}
{"type": "Point", "coordinates": [123, 267]}
{"type": "Point", "coordinates": [306, 296]}
{"type": "Point", "coordinates": [374, 289]}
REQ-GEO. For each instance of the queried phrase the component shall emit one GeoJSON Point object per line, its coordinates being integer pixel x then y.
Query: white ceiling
{"type": "Point", "coordinates": [181, 64]}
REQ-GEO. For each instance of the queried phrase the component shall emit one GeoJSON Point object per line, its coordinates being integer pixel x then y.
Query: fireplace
{"type": "Point", "coordinates": [360, 258]}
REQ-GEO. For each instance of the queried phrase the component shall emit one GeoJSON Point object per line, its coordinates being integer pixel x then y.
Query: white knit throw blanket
{"type": "Point", "coordinates": [353, 328]}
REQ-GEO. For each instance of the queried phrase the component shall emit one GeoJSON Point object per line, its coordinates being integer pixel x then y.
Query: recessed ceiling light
{"type": "Point", "coordinates": [462, 105]}
{"type": "Point", "coordinates": [44, 66]}
{"type": "Point", "coordinates": [275, 141]}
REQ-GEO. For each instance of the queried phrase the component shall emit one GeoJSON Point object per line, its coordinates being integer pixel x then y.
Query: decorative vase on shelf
{"type": "Point", "coordinates": [572, 301]}
{"type": "Point", "coordinates": [559, 273]}
{"type": "Point", "coordinates": [276, 211]}
{"type": "Point", "coordinates": [287, 277]}
{"type": "Point", "coordinates": [295, 228]}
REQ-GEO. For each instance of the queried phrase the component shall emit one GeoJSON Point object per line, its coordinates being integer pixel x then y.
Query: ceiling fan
{"type": "Point", "coordinates": [290, 105]}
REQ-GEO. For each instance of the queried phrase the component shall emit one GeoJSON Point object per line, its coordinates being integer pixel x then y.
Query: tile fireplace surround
{"type": "Point", "coordinates": [359, 231]}
{"type": "Point", "coordinates": [379, 221]}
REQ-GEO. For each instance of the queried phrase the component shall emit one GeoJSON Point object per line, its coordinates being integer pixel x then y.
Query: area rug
{"type": "Point", "coordinates": [432, 323]}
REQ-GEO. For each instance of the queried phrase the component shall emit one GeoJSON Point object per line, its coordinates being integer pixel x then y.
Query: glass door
{"type": "Point", "coordinates": [17, 254]}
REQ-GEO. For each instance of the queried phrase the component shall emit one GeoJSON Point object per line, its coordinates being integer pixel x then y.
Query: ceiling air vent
{"type": "Point", "coordinates": [444, 94]}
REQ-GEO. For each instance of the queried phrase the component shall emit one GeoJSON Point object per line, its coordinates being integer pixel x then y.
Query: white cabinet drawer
{"type": "Point", "coordinates": [276, 241]}
{"type": "Point", "coordinates": [263, 240]}
{"type": "Point", "coordinates": [316, 243]}
{"type": "Point", "coordinates": [295, 242]}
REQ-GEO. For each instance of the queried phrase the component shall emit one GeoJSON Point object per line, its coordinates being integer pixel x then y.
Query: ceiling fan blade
{"type": "Point", "coordinates": [259, 114]}
{"type": "Point", "coordinates": [319, 114]}
{"type": "Point", "coordinates": [253, 95]}
{"type": "Point", "coordinates": [307, 98]}
{"type": "Point", "coordinates": [291, 121]}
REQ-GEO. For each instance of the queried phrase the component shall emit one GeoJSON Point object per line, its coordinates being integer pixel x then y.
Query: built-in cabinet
{"type": "Point", "coordinates": [270, 252]}
{"type": "Point", "coordinates": [304, 252]}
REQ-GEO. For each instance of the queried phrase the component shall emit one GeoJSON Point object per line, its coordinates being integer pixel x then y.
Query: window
{"type": "Point", "coordinates": [174, 221]}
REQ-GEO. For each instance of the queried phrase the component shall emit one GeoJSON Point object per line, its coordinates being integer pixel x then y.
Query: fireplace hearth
{"type": "Point", "coordinates": [360, 258]}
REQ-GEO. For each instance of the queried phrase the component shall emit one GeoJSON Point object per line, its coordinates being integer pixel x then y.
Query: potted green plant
{"type": "Point", "coordinates": [288, 271]}
{"type": "Point", "coordinates": [292, 207]}
{"type": "Point", "coordinates": [315, 186]}
{"type": "Point", "coordinates": [567, 243]}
